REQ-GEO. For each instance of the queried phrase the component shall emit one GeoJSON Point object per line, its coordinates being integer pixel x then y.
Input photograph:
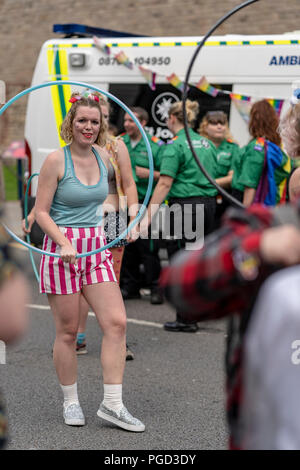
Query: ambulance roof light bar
{"type": "Point", "coordinates": [81, 30]}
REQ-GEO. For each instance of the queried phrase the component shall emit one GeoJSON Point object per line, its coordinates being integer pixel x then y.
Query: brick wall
{"type": "Point", "coordinates": [26, 24]}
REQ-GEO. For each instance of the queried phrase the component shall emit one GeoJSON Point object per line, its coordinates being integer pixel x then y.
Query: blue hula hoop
{"type": "Point", "coordinates": [149, 152]}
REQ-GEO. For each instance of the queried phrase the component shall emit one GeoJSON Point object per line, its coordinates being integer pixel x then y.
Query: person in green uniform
{"type": "Point", "coordinates": [265, 167]}
{"type": "Point", "coordinates": [214, 126]}
{"type": "Point", "coordinates": [142, 251]}
{"type": "Point", "coordinates": [189, 192]}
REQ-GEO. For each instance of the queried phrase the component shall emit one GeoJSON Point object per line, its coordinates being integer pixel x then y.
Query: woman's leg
{"type": "Point", "coordinates": [117, 254]}
{"type": "Point", "coordinates": [65, 310]}
{"type": "Point", "coordinates": [81, 339]}
{"type": "Point", "coordinates": [106, 300]}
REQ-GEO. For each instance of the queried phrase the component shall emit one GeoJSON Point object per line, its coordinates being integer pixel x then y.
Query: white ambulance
{"type": "Point", "coordinates": [256, 66]}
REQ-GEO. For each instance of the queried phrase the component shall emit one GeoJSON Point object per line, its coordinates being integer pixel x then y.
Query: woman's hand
{"type": "Point", "coordinates": [134, 234]}
{"type": "Point", "coordinates": [30, 220]}
{"type": "Point", "coordinates": [68, 253]}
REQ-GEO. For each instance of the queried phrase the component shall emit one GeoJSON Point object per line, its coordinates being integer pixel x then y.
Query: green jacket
{"type": "Point", "coordinates": [227, 152]}
{"type": "Point", "coordinates": [179, 163]}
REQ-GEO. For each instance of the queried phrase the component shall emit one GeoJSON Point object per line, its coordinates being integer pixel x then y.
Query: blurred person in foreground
{"type": "Point", "coordinates": [226, 279]}
{"type": "Point", "coordinates": [14, 295]}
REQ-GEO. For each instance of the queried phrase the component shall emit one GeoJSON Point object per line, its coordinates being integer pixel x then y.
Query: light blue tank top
{"type": "Point", "coordinates": [76, 204]}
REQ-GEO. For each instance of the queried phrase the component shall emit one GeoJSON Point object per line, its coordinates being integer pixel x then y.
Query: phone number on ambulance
{"type": "Point", "coordinates": [137, 61]}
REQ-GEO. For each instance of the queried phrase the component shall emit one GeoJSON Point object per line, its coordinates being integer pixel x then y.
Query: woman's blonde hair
{"type": "Point", "coordinates": [289, 130]}
{"type": "Point", "coordinates": [212, 116]}
{"type": "Point", "coordinates": [192, 109]}
{"type": "Point", "coordinates": [93, 100]}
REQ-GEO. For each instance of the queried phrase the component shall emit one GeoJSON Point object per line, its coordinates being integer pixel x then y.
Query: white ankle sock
{"type": "Point", "coordinates": [113, 397]}
{"type": "Point", "coordinates": [70, 394]}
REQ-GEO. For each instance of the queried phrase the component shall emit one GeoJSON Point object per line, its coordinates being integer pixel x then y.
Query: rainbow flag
{"type": "Point", "coordinates": [277, 105]}
{"type": "Point", "coordinates": [122, 58]}
{"type": "Point", "coordinates": [276, 167]}
{"type": "Point", "coordinates": [237, 96]}
{"type": "Point", "coordinates": [203, 85]}
{"type": "Point", "coordinates": [149, 76]}
{"type": "Point", "coordinates": [242, 104]}
{"type": "Point", "coordinates": [101, 46]}
{"type": "Point", "coordinates": [176, 82]}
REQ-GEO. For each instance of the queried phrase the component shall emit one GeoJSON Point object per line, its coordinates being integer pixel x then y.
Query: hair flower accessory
{"type": "Point", "coordinates": [74, 99]}
{"type": "Point", "coordinates": [85, 94]}
{"type": "Point", "coordinates": [295, 99]}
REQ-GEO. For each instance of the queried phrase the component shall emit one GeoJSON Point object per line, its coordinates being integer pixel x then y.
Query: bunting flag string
{"type": "Point", "coordinates": [203, 85]}
{"type": "Point", "coordinates": [243, 106]}
{"type": "Point", "coordinates": [101, 46]}
{"type": "Point", "coordinates": [149, 76]}
{"type": "Point", "coordinates": [277, 105]}
{"type": "Point", "coordinates": [122, 58]}
{"type": "Point", "coordinates": [238, 97]}
{"type": "Point", "coordinates": [243, 103]}
{"type": "Point", "coordinates": [176, 82]}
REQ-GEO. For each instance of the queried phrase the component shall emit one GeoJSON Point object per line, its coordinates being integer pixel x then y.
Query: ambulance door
{"type": "Point", "coordinates": [157, 103]}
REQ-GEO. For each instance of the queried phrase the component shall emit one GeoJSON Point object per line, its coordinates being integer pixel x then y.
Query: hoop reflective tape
{"type": "Point", "coordinates": [58, 70]}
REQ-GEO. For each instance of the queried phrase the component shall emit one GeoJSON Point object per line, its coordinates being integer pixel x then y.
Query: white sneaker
{"type": "Point", "coordinates": [73, 415]}
{"type": "Point", "coordinates": [123, 418]}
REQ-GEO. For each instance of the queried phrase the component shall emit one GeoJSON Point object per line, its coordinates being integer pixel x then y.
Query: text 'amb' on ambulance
{"type": "Point", "coordinates": [257, 66]}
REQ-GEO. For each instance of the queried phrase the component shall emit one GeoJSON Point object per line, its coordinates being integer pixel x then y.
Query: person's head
{"type": "Point", "coordinates": [84, 120]}
{"type": "Point", "coordinates": [175, 119]}
{"type": "Point", "coordinates": [214, 126]}
{"type": "Point", "coordinates": [264, 122]}
{"type": "Point", "coordinates": [289, 129]}
{"type": "Point", "coordinates": [130, 126]}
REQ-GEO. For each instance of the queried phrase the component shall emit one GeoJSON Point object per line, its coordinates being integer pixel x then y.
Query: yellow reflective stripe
{"type": "Point", "coordinates": [258, 43]}
{"type": "Point", "coordinates": [242, 42]}
{"type": "Point", "coordinates": [282, 42]}
{"type": "Point", "coordinates": [212, 43]}
{"type": "Point", "coordinates": [58, 70]}
{"type": "Point", "coordinates": [51, 56]}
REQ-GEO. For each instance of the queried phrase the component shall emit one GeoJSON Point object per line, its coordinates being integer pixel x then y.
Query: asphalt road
{"type": "Point", "coordinates": [175, 385]}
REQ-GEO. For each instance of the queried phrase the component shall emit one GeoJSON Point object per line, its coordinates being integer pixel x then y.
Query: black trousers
{"type": "Point", "coordinates": [192, 206]}
{"type": "Point", "coordinates": [141, 252]}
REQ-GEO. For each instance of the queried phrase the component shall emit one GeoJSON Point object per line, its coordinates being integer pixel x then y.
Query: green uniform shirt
{"type": "Point", "coordinates": [139, 157]}
{"type": "Point", "coordinates": [179, 163]}
{"type": "Point", "coordinates": [236, 166]}
{"type": "Point", "coordinates": [226, 153]}
{"type": "Point", "coordinates": [253, 162]}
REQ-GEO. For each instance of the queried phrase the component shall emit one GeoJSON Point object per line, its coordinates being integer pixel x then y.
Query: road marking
{"type": "Point", "coordinates": [91, 314]}
{"type": "Point", "coordinates": [129, 320]}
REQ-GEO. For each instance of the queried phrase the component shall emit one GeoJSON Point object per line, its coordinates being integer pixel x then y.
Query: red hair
{"type": "Point", "coordinates": [264, 122]}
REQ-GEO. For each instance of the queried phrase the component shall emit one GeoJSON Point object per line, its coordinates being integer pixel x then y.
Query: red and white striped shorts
{"type": "Point", "coordinates": [57, 277]}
